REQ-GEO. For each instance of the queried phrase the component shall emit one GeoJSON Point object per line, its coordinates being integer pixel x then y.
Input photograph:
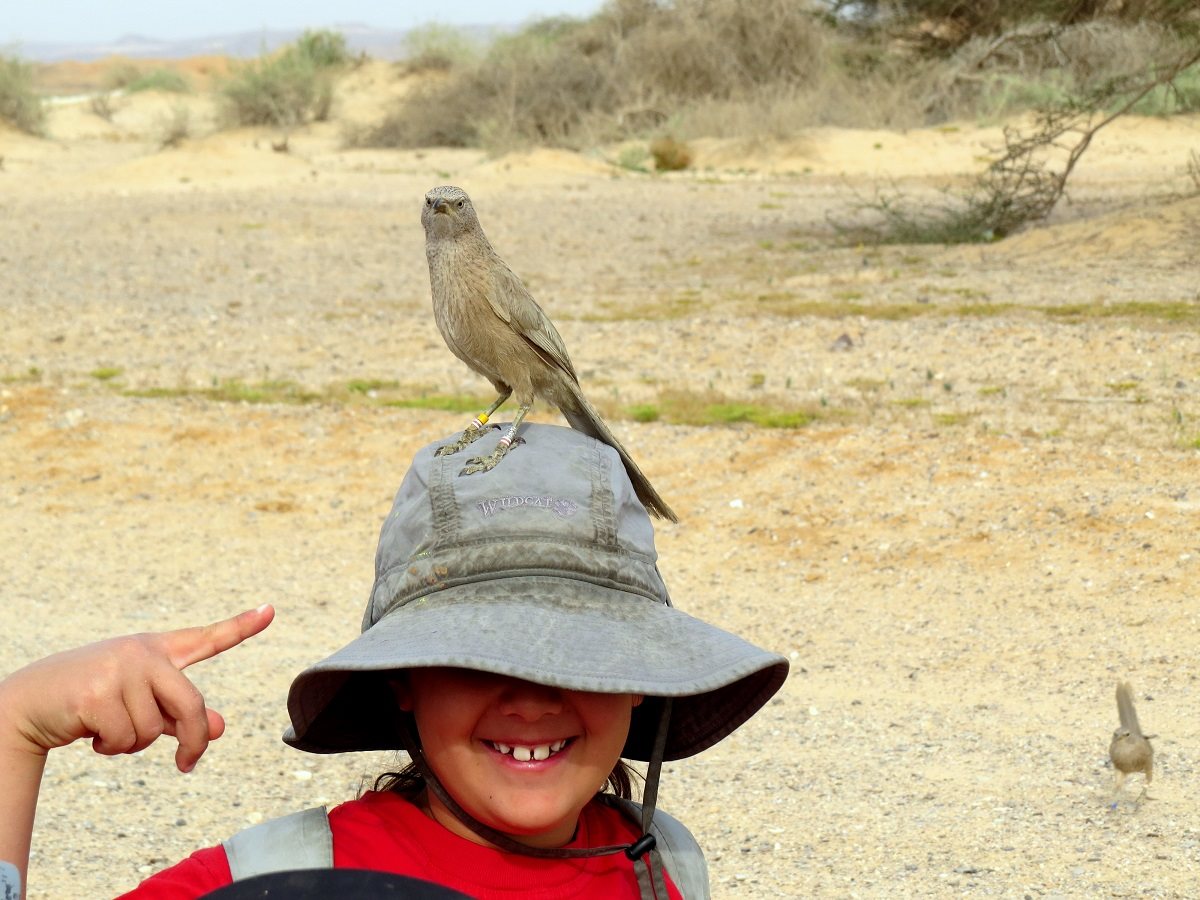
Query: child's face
{"type": "Point", "coordinates": [482, 735]}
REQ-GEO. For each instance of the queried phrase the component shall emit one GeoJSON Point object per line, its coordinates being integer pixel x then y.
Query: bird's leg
{"type": "Point", "coordinates": [475, 430]}
{"type": "Point", "coordinates": [487, 463]}
{"type": "Point", "coordinates": [1118, 783]}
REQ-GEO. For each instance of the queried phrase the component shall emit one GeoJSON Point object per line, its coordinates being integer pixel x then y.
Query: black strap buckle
{"type": "Point", "coordinates": [641, 847]}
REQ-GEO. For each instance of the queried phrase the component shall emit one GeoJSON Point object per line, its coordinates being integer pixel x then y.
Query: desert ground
{"type": "Point", "coordinates": [989, 521]}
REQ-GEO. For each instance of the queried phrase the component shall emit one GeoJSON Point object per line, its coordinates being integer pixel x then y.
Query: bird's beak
{"type": "Point", "coordinates": [441, 206]}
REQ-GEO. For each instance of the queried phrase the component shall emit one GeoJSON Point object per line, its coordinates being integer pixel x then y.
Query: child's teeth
{"type": "Point", "coordinates": [525, 754]}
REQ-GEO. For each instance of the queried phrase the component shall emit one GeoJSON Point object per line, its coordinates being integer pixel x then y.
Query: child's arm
{"type": "Point", "coordinates": [122, 693]}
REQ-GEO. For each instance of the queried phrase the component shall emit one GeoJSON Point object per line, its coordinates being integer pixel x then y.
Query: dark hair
{"type": "Point", "coordinates": [409, 782]}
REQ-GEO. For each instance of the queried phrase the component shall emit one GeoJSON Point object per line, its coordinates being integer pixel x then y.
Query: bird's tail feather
{"type": "Point", "coordinates": [588, 421]}
{"type": "Point", "coordinates": [1125, 709]}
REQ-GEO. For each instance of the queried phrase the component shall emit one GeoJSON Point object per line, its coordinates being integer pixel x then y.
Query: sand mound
{"type": "Point", "coordinates": [949, 150]}
{"type": "Point", "coordinates": [243, 156]}
{"type": "Point", "coordinates": [1168, 234]}
{"type": "Point", "coordinates": [543, 162]}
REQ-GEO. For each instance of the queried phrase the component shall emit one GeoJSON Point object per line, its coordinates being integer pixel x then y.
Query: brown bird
{"type": "Point", "coordinates": [492, 323]}
{"type": "Point", "coordinates": [1130, 750]}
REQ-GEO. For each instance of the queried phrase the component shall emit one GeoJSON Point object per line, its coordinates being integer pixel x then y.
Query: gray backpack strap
{"type": "Point", "coordinates": [10, 882]}
{"type": "Point", "coordinates": [301, 840]}
{"type": "Point", "coordinates": [681, 854]}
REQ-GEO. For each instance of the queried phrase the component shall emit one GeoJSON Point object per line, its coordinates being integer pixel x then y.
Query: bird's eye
{"type": "Point", "coordinates": [429, 201]}
{"type": "Point", "coordinates": [460, 204]}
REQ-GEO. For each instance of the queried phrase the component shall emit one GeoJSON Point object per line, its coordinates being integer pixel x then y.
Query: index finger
{"type": "Point", "coordinates": [191, 645]}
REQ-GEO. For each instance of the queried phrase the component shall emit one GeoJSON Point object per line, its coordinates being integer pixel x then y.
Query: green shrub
{"type": "Point", "coordinates": [289, 88]}
{"type": "Point", "coordinates": [1182, 96]}
{"type": "Point", "coordinates": [19, 105]}
{"type": "Point", "coordinates": [129, 78]}
{"type": "Point", "coordinates": [324, 49]}
{"type": "Point", "coordinates": [438, 48]}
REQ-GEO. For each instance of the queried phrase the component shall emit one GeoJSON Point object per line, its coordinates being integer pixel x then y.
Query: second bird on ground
{"type": "Point", "coordinates": [1130, 750]}
{"type": "Point", "coordinates": [492, 323]}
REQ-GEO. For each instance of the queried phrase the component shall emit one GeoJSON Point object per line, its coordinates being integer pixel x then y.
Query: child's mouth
{"type": "Point", "coordinates": [534, 752]}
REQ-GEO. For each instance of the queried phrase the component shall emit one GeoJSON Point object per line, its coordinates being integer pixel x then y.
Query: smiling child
{"type": "Point", "coordinates": [519, 644]}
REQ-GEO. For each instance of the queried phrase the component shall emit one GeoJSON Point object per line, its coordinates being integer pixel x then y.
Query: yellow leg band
{"type": "Point", "coordinates": [482, 419]}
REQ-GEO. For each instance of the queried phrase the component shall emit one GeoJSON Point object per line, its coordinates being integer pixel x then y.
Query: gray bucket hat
{"type": "Point", "coordinates": [542, 569]}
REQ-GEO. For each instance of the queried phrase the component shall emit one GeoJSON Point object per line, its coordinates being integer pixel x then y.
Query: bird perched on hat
{"type": "Point", "coordinates": [490, 321]}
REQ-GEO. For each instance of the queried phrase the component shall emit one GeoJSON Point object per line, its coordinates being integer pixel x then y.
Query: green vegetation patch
{"type": "Point", "coordinates": [712, 408]}
{"type": "Point", "coordinates": [131, 79]}
{"type": "Point", "coordinates": [457, 403]}
{"type": "Point", "coordinates": [1179, 311]}
{"type": "Point", "coordinates": [234, 390]}
{"type": "Point", "coordinates": [20, 106]}
{"type": "Point", "coordinates": [32, 375]}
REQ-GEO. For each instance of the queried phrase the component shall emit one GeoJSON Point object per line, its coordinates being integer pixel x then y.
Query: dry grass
{"type": "Point", "coordinates": [638, 66]}
{"type": "Point", "coordinates": [732, 68]}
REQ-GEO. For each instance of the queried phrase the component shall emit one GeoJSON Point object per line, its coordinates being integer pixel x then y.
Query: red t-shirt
{"type": "Point", "coordinates": [385, 832]}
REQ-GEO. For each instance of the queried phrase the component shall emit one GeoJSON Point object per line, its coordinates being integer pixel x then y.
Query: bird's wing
{"type": "Point", "coordinates": [1125, 709]}
{"type": "Point", "coordinates": [512, 302]}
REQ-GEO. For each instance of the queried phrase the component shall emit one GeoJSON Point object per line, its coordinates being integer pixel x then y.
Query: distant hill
{"type": "Point", "coordinates": [380, 43]}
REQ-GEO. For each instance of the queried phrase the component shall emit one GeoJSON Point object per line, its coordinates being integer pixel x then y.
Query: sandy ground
{"type": "Point", "coordinates": [992, 519]}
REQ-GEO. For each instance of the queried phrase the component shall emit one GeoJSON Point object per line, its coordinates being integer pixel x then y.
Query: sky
{"type": "Point", "coordinates": [90, 21]}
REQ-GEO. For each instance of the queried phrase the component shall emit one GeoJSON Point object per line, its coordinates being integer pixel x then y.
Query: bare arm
{"type": "Point", "coordinates": [123, 694]}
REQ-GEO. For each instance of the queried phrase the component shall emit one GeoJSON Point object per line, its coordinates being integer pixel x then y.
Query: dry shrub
{"type": "Point", "coordinates": [533, 87]}
{"type": "Point", "coordinates": [942, 26]}
{"type": "Point", "coordinates": [760, 68]}
{"type": "Point", "coordinates": [175, 128]}
{"type": "Point", "coordinates": [723, 48]}
{"type": "Point", "coordinates": [546, 87]}
{"type": "Point", "coordinates": [839, 99]}
{"type": "Point", "coordinates": [440, 112]}
{"type": "Point", "coordinates": [101, 105]}
{"type": "Point", "coordinates": [622, 73]}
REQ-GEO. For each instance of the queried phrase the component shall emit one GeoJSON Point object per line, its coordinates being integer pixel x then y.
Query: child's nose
{"type": "Point", "coordinates": [530, 701]}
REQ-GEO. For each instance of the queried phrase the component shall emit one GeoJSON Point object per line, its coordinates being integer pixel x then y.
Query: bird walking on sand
{"type": "Point", "coordinates": [1130, 750]}
{"type": "Point", "coordinates": [490, 321]}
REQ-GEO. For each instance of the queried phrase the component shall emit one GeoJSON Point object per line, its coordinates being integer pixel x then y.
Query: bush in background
{"type": "Point", "coordinates": [767, 68]}
{"type": "Point", "coordinates": [438, 48]}
{"type": "Point", "coordinates": [768, 65]}
{"type": "Point", "coordinates": [131, 79]}
{"type": "Point", "coordinates": [19, 105]}
{"type": "Point", "coordinates": [289, 88]}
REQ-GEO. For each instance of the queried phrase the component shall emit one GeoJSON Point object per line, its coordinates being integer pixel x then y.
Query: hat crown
{"type": "Point", "coordinates": [561, 505]}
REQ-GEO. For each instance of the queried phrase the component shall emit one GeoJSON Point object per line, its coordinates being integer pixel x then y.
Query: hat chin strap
{"type": "Point", "coordinates": [650, 880]}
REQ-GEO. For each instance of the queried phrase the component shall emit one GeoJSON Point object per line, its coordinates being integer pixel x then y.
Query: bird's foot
{"type": "Point", "coordinates": [470, 435]}
{"type": "Point", "coordinates": [478, 464]}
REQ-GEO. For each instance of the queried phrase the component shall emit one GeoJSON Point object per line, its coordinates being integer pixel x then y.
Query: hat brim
{"type": "Point", "coordinates": [549, 630]}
